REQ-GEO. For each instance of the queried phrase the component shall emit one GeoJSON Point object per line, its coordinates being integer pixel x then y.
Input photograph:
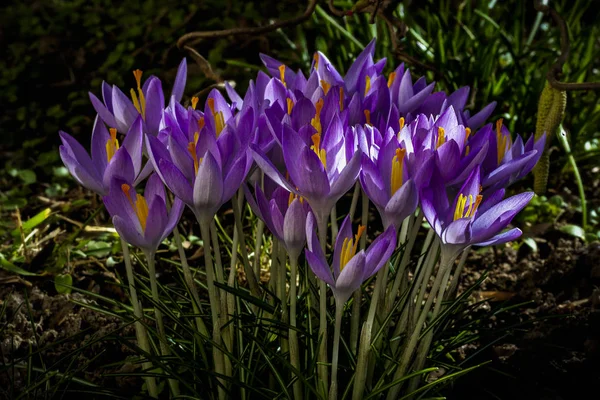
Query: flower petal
{"type": "Point", "coordinates": [180, 80]}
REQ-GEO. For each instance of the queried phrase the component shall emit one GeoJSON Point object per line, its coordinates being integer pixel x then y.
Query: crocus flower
{"type": "Point", "coordinates": [284, 214]}
{"type": "Point", "coordinates": [349, 269]}
{"type": "Point", "coordinates": [142, 221]}
{"type": "Point", "coordinates": [148, 100]}
{"type": "Point", "coordinates": [108, 160]}
{"type": "Point", "coordinates": [322, 172]}
{"type": "Point", "coordinates": [206, 171]}
{"type": "Point", "coordinates": [505, 161]}
{"type": "Point", "coordinates": [471, 219]}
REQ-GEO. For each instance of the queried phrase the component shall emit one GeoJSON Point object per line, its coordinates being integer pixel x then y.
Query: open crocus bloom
{"type": "Point", "coordinates": [322, 172]}
{"type": "Point", "coordinates": [109, 159]}
{"type": "Point", "coordinates": [471, 219]}
{"type": "Point", "coordinates": [142, 221]}
{"type": "Point", "coordinates": [350, 268]}
{"type": "Point", "coordinates": [206, 171]}
{"type": "Point", "coordinates": [147, 99]}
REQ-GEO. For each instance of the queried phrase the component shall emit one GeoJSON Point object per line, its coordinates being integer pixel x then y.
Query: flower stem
{"type": "Point", "coordinates": [339, 310]}
{"type": "Point", "coordinates": [445, 263]}
{"type": "Point", "coordinates": [293, 333]}
{"type": "Point", "coordinates": [164, 346]}
{"type": "Point", "coordinates": [357, 295]}
{"type": "Point", "coordinates": [227, 340]}
{"type": "Point", "coordinates": [189, 281]}
{"type": "Point", "coordinates": [214, 303]}
{"type": "Point", "coordinates": [250, 276]}
{"type": "Point", "coordinates": [140, 330]}
{"type": "Point", "coordinates": [322, 372]}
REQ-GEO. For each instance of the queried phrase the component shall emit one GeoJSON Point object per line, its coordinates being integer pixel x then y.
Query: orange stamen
{"type": "Point", "coordinates": [391, 78]}
{"type": "Point", "coordinates": [194, 102]}
{"type": "Point", "coordinates": [368, 116]}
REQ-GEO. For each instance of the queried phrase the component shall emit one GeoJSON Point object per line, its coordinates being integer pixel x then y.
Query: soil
{"type": "Point", "coordinates": [553, 351]}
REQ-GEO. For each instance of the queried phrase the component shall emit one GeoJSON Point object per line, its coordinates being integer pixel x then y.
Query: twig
{"type": "Point", "coordinates": [203, 64]}
{"type": "Point", "coordinates": [565, 46]}
{"type": "Point", "coordinates": [335, 11]}
{"type": "Point", "coordinates": [249, 31]}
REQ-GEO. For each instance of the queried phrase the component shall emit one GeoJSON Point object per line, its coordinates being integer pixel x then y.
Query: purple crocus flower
{"type": "Point", "coordinates": [471, 219]}
{"type": "Point", "coordinates": [505, 161]}
{"type": "Point", "coordinates": [350, 269]}
{"type": "Point", "coordinates": [148, 100]}
{"type": "Point", "coordinates": [108, 159]}
{"type": "Point", "coordinates": [206, 171]}
{"type": "Point", "coordinates": [322, 172]}
{"type": "Point", "coordinates": [142, 221]}
{"type": "Point", "coordinates": [386, 180]}
{"type": "Point", "coordinates": [284, 214]}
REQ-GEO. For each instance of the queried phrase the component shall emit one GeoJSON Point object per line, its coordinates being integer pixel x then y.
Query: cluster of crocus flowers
{"type": "Point", "coordinates": [313, 137]}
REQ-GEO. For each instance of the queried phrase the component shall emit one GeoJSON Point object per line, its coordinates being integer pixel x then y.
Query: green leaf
{"type": "Point", "coordinates": [63, 283]}
{"type": "Point", "coordinates": [573, 230]}
{"type": "Point", "coordinates": [27, 176]}
{"type": "Point", "coordinates": [7, 265]}
{"type": "Point", "coordinates": [33, 222]}
{"type": "Point", "coordinates": [531, 243]}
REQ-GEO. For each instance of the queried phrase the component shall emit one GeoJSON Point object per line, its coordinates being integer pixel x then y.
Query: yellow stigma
{"type": "Point", "coordinates": [467, 150]}
{"type": "Point", "coordinates": [139, 101]}
{"type": "Point", "coordinates": [282, 74]}
{"type": "Point", "coordinates": [316, 147]}
{"type": "Point", "coordinates": [467, 133]}
{"type": "Point", "coordinates": [290, 105]}
{"type": "Point", "coordinates": [316, 58]}
{"type": "Point", "coordinates": [112, 144]}
{"type": "Point", "coordinates": [368, 116]}
{"type": "Point", "coordinates": [326, 86]}
{"type": "Point", "coordinates": [401, 122]}
{"type": "Point", "coordinates": [192, 150]}
{"type": "Point", "coordinates": [367, 84]}
{"type": "Point", "coordinates": [194, 102]}
{"type": "Point", "coordinates": [201, 123]}
{"type": "Point", "coordinates": [461, 203]}
{"type": "Point", "coordinates": [441, 139]}
{"type": "Point", "coordinates": [316, 121]}
{"type": "Point", "coordinates": [218, 117]}
{"type": "Point", "coordinates": [349, 247]}
{"type": "Point", "coordinates": [396, 179]}
{"type": "Point", "coordinates": [503, 142]}
{"type": "Point", "coordinates": [293, 196]}
{"type": "Point", "coordinates": [341, 99]}
{"type": "Point", "coordinates": [139, 206]}
{"type": "Point", "coordinates": [391, 78]}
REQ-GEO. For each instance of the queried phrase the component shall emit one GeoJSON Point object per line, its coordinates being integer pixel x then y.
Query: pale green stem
{"type": "Point", "coordinates": [273, 281]}
{"type": "Point", "coordinates": [423, 282]}
{"type": "Point", "coordinates": [226, 333]}
{"type": "Point", "coordinates": [408, 315]}
{"type": "Point", "coordinates": [189, 281]}
{"type": "Point", "coordinates": [250, 276]}
{"type": "Point", "coordinates": [260, 229]}
{"type": "Point", "coordinates": [334, 226]}
{"type": "Point", "coordinates": [354, 202]}
{"type": "Point", "coordinates": [282, 276]}
{"type": "Point", "coordinates": [401, 270]}
{"type": "Point", "coordinates": [322, 372]}
{"type": "Point", "coordinates": [214, 304]}
{"type": "Point", "coordinates": [423, 349]}
{"type": "Point", "coordinates": [357, 295]}
{"type": "Point", "coordinates": [140, 330]}
{"type": "Point", "coordinates": [164, 346]}
{"type": "Point", "coordinates": [365, 341]}
{"type": "Point", "coordinates": [293, 333]}
{"type": "Point", "coordinates": [445, 263]}
{"type": "Point", "coordinates": [456, 278]}
{"type": "Point", "coordinates": [339, 311]}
